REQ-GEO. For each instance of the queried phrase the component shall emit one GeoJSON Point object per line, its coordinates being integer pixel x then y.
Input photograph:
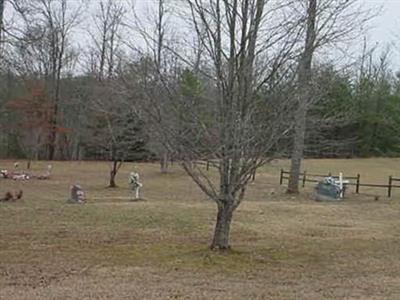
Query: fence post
{"type": "Point", "coordinates": [304, 179]}
{"type": "Point", "coordinates": [281, 178]}
{"type": "Point", "coordinates": [390, 186]}
{"type": "Point", "coordinates": [358, 184]}
{"type": "Point", "coordinates": [253, 176]}
{"type": "Point", "coordinates": [208, 165]}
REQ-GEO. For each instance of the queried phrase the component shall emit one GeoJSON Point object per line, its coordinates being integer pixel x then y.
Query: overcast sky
{"type": "Point", "coordinates": [386, 26]}
{"type": "Point", "coordinates": [388, 23]}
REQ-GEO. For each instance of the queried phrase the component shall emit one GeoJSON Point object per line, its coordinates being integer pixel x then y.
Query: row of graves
{"type": "Point", "coordinates": [329, 189]}
{"type": "Point", "coordinates": [16, 174]}
{"type": "Point", "coordinates": [77, 194]}
{"type": "Point", "coordinates": [21, 175]}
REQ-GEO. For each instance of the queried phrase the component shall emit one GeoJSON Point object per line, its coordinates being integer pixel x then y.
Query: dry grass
{"type": "Point", "coordinates": [110, 248]}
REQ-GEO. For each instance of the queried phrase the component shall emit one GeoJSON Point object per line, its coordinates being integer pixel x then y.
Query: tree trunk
{"type": "Point", "coordinates": [164, 162]}
{"type": "Point", "coordinates": [113, 174]}
{"type": "Point", "coordinates": [52, 146]}
{"type": "Point", "coordinates": [298, 149]}
{"type": "Point", "coordinates": [222, 228]}
{"type": "Point", "coordinates": [304, 88]}
{"type": "Point", "coordinates": [1, 21]}
{"type": "Point", "coordinates": [112, 180]}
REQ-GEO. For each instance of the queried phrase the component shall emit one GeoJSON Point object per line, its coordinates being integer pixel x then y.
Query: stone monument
{"type": "Point", "coordinates": [77, 195]}
{"type": "Point", "coordinates": [135, 184]}
{"type": "Point", "coordinates": [328, 190]}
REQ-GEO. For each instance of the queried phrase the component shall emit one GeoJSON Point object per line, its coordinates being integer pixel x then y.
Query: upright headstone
{"type": "Point", "coordinates": [327, 190]}
{"type": "Point", "coordinates": [77, 195]}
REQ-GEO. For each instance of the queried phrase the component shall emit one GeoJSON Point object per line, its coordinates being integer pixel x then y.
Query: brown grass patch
{"type": "Point", "coordinates": [110, 248]}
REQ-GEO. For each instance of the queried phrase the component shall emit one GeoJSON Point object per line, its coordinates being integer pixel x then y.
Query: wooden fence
{"type": "Point", "coordinates": [353, 181]}
{"type": "Point", "coordinates": [215, 164]}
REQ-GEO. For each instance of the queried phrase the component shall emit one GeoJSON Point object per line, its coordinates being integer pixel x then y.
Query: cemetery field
{"type": "Point", "coordinates": [284, 247]}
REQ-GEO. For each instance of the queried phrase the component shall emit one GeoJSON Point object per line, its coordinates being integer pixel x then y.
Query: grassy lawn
{"type": "Point", "coordinates": [283, 247]}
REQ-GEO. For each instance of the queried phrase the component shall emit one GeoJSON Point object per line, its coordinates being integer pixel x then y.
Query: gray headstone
{"type": "Point", "coordinates": [77, 195]}
{"type": "Point", "coordinates": [327, 191]}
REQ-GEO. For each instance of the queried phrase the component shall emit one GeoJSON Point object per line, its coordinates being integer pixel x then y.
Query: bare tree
{"type": "Point", "coordinates": [304, 94]}
{"type": "Point", "coordinates": [2, 32]}
{"type": "Point", "coordinates": [60, 25]}
{"type": "Point", "coordinates": [160, 34]}
{"type": "Point", "coordinates": [326, 23]}
{"type": "Point", "coordinates": [225, 109]}
{"type": "Point", "coordinates": [42, 49]}
{"type": "Point", "coordinates": [113, 129]}
{"type": "Point", "coordinates": [155, 37]}
{"type": "Point", "coordinates": [1, 19]}
{"type": "Point", "coordinates": [108, 21]}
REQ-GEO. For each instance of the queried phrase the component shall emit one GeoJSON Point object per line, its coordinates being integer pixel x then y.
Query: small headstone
{"type": "Point", "coordinates": [77, 195]}
{"type": "Point", "coordinates": [135, 184]}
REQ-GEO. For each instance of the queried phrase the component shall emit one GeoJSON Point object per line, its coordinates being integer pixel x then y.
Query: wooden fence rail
{"type": "Point", "coordinates": [215, 164]}
{"type": "Point", "coordinates": [353, 181]}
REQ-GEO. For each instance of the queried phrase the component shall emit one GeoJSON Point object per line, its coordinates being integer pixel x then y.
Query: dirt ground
{"type": "Point", "coordinates": [284, 247]}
